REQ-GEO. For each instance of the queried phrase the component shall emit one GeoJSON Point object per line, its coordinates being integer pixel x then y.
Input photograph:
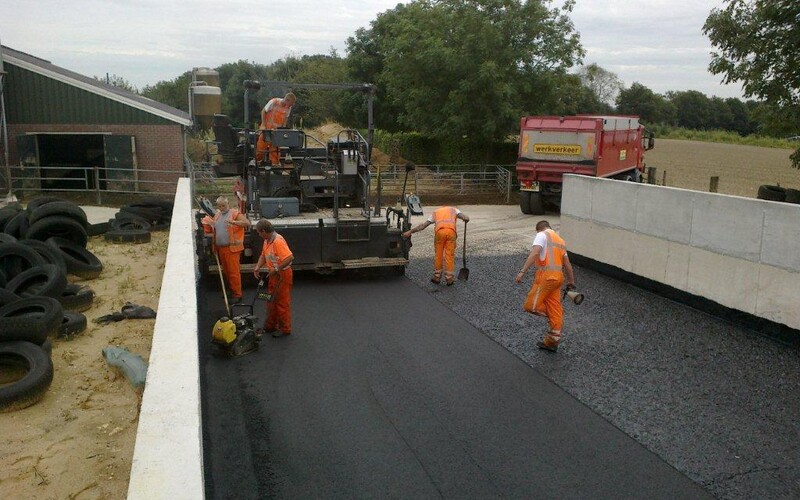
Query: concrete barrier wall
{"type": "Point", "coordinates": [741, 253]}
{"type": "Point", "coordinates": [168, 455]}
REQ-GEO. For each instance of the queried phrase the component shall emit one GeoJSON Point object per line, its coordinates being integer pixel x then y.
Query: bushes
{"type": "Point", "coordinates": [425, 150]}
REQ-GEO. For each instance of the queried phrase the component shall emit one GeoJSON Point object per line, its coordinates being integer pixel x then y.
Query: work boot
{"type": "Point", "coordinates": [278, 334]}
{"type": "Point", "coordinates": [450, 282]}
{"type": "Point", "coordinates": [436, 280]}
{"type": "Point", "coordinates": [236, 300]}
{"type": "Point", "coordinates": [547, 347]}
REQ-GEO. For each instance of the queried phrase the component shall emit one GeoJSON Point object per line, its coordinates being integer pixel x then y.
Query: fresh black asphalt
{"type": "Point", "coordinates": [384, 392]}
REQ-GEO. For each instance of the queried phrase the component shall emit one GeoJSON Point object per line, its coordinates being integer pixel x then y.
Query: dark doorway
{"type": "Point", "coordinates": [67, 160]}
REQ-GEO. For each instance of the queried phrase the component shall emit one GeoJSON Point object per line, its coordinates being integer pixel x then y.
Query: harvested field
{"type": "Point", "coordinates": [741, 169]}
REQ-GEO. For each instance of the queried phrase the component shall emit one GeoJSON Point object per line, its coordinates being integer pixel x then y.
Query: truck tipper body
{"type": "Point", "coordinates": [599, 146]}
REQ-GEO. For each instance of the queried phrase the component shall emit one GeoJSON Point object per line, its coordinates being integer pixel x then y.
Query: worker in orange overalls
{"type": "Point", "coordinates": [274, 115]}
{"type": "Point", "coordinates": [227, 230]}
{"type": "Point", "coordinates": [277, 258]}
{"type": "Point", "coordinates": [549, 253]}
{"type": "Point", "coordinates": [444, 220]}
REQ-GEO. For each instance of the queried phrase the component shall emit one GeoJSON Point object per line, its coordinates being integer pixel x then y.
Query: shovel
{"type": "Point", "coordinates": [222, 282]}
{"type": "Point", "coordinates": [463, 273]}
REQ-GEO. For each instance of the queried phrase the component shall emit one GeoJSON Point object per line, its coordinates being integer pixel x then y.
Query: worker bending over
{"type": "Point", "coordinates": [444, 219]}
{"type": "Point", "coordinates": [277, 258]}
{"type": "Point", "coordinates": [549, 254]}
{"type": "Point", "coordinates": [274, 115]}
{"type": "Point", "coordinates": [227, 233]}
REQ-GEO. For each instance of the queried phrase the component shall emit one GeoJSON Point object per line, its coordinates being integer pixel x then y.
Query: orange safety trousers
{"type": "Point", "coordinates": [544, 299]}
{"type": "Point", "coordinates": [229, 260]}
{"type": "Point", "coordinates": [444, 249]}
{"type": "Point", "coordinates": [279, 311]}
{"type": "Point", "coordinates": [267, 148]}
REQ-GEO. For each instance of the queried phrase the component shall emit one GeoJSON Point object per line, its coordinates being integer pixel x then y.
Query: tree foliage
{"type": "Point", "coordinates": [455, 68]}
{"type": "Point", "coordinates": [602, 83]}
{"type": "Point", "coordinates": [119, 82]}
{"type": "Point", "coordinates": [758, 44]}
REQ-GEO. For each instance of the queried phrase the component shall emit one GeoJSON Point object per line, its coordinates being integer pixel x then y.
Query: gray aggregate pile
{"type": "Point", "coordinates": [717, 401]}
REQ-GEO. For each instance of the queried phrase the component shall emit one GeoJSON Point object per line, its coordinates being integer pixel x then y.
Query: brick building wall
{"type": "Point", "coordinates": [159, 148]}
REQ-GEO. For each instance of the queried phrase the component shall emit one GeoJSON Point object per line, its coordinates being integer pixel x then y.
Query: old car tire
{"type": "Point", "coordinates": [7, 297]}
{"type": "Point", "coordinates": [18, 225]}
{"type": "Point", "coordinates": [31, 319]}
{"type": "Point", "coordinates": [38, 202]}
{"type": "Point", "coordinates": [772, 193]}
{"type": "Point", "coordinates": [16, 257]}
{"type": "Point", "coordinates": [47, 252]}
{"type": "Point", "coordinates": [65, 208]}
{"type": "Point", "coordinates": [46, 280]}
{"type": "Point", "coordinates": [76, 298]}
{"type": "Point", "coordinates": [72, 324]}
{"type": "Point", "coordinates": [792, 196]}
{"type": "Point", "coordinates": [80, 262]}
{"type": "Point", "coordinates": [58, 226]}
{"type": "Point", "coordinates": [31, 388]}
{"type": "Point", "coordinates": [128, 236]}
{"type": "Point", "coordinates": [97, 229]}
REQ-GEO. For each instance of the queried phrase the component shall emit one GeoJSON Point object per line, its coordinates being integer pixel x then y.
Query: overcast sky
{"type": "Point", "coordinates": [658, 43]}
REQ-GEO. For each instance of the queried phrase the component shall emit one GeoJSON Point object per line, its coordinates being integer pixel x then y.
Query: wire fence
{"type": "Point", "coordinates": [102, 181]}
{"type": "Point", "coordinates": [458, 180]}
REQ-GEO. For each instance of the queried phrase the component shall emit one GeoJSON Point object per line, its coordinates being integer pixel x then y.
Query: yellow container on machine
{"type": "Point", "coordinates": [224, 331]}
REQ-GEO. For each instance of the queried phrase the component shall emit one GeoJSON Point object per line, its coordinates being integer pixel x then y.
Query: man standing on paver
{"type": "Point", "coordinates": [277, 258]}
{"type": "Point", "coordinates": [549, 253]}
{"type": "Point", "coordinates": [274, 115]}
{"type": "Point", "coordinates": [444, 219]}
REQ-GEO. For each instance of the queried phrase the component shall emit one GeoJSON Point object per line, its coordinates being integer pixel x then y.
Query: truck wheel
{"type": "Point", "coordinates": [525, 202]}
{"type": "Point", "coordinates": [536, 205]}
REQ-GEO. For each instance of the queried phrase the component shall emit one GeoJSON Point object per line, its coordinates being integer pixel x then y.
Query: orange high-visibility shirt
{"type": "Point", "coordinates": [551, 266]}
{"type": "Point", "coordinates": [275, 251]}
{"type": "Point", "coordinates": [274, 114]}
{"type": "Point", "coordinates": [444, 217]}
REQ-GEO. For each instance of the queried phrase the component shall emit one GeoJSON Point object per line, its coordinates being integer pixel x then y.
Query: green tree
{"type": "Point", "coordinates": [119, 82]}
{"type": "Point", "coordinates": [692, 109]}
{"type": "Point", "coordinates": [758, 44]}
{"type": "Point", "coordinates": [464, 68]}
{"type": "Point", "coordinates": [173, 92]}
{"type": "Point", "coordinates": [603, 83]}
{"type": "Point", "coordinates": [639, 100]}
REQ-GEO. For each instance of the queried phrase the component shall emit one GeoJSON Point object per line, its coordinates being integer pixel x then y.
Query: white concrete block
{"type": "Point", "coordinates": [614, 203]}
{"type": "Point", "coordinates": [780, 244]}
{"type": "Point", "coordinates": [676, 274]}
{"type": "Point", "coordinates": [613, 246]}
{"type": "Point", "coordinates": [727, 225]}
{"type": "Point", "coordinates": [729, 281]}
{"type": "Point", "coordinates": [779, 295]}
{"type": "Point", "coordinates": [650, 257]}
{"type": "Point", "coordinates": [665, 212]}
{"type": "Point", "coordinates": [577, 234]}
{"type": "Point", "coordinates": [576, 197]}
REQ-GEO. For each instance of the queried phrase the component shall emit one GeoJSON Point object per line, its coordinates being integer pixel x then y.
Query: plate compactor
{"type": "Point", "coordinates": [235, 334]}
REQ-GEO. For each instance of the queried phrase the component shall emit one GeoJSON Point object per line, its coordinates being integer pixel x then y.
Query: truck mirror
{"type": "Point", "coordinates": [651, 142]}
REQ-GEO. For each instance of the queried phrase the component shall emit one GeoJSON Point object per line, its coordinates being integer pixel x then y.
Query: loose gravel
{"type": "Point", "coordinates": [717, 401]}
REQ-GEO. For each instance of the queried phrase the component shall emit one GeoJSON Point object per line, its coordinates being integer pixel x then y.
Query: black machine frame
{"type": "Point", "coordinates": [318, 198]}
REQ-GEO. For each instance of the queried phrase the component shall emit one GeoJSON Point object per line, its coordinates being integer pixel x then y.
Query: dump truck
{"type": "Point", "coordinates": [598, 146]}
{"type": "Point", "coordinates": [319, 198]}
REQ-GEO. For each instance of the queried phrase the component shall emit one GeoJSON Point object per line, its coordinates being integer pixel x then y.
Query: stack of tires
{"type": "Point", "coordinates": [134, 222]}
{"type": "Point", "coordinates": [39, 247]}
{"type": "Point", "coordinates": [778, 193]}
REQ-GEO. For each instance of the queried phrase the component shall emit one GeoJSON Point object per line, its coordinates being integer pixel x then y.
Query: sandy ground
{"type": "Point", "coordinates": [78, 441]}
